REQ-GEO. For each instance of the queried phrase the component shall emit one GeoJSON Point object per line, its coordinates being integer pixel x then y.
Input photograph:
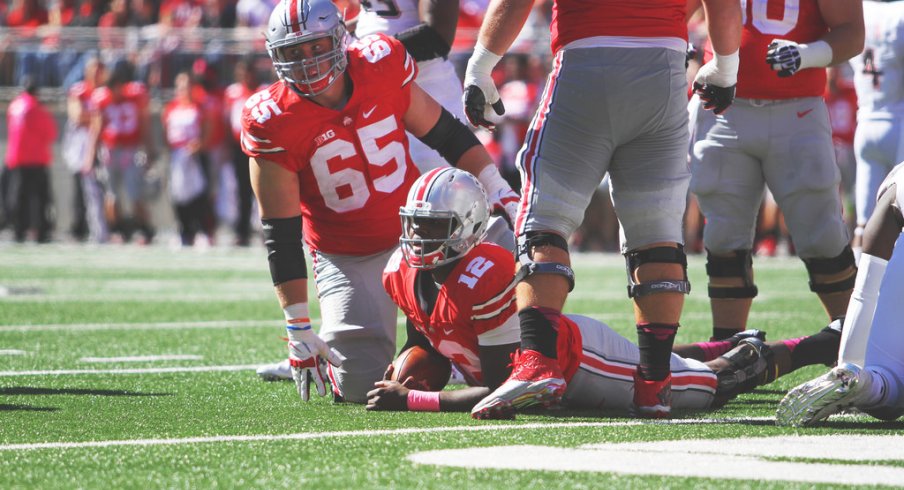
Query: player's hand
{"type": "Point", "coordinates": [716, 81]}
{"type": "Point", "coordinates": [306, 350]}
{"type": "Point", "coordinates": [480, 94]}
{"type": "Point", "coordinates": [388, 395]}
{"type": "Point", "coordinates": [784, 57]}
{"type": "Point", "coordinates": [505, 201]}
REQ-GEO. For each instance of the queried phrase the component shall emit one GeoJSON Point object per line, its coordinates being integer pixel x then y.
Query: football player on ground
{"type": "Point", "coordinates": [870, 371]}
{"type": "Point", "coordinates": [426, 29]}
{"type": "Point", "coordinates": [329, 156]}
{"type": "Point", "coordinates": [879, 82]}
{"type": "Point", "coordinates": [457, 292]}
{"type": "Point", "coordinates": [776, 133]}
{"type": "Point", "coordinates": [615, 101]}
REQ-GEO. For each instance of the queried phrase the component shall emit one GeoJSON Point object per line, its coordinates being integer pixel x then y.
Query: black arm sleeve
{"type": "Point", "coordinates": [424, 42]}
{"type": "Point", "coordinates": [450, 137]}
{"type": "Point", "coordinates": [416, 338]}
{"type": "Point", "coordinates": [285, 251]}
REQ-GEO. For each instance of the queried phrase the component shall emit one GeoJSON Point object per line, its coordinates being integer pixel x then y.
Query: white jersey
{"type": "Point", "coordinates": [879, 70]}
{"type": "Point", "coordinates": [387, 16]}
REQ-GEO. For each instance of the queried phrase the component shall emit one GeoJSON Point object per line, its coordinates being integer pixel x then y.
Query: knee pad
{"type": "Point", "coordinates": [844, 262]}
{"type": "Point", "coordinates": [739, 265]}
{"type": "Point", "coordinates": [526, 244]}
{"type": "Point", "coordinates": [661, 255]}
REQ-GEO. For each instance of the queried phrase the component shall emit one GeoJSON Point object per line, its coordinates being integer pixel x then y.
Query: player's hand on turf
{"type": "Point", "coordinates": [784, 57]}
{"type": "Point", "coordinates": [306, 349]}
{"type": "Point", "coordinates": [389, 395]}
{"type": "Point", "coordinates": [716, 81]}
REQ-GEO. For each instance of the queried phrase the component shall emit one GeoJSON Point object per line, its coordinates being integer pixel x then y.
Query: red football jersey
{"type": "Point", "coordinates": [842, 105]}
{"type": "Point", "coordinates": [122, 115]}
{"type": "Point", "coordinates": [764, 20]}
{"type": "Point", "coordinates": [579, 19]}
{"type": "Point", "coordinates": [477, 297]}
{"type": "Point", "coordinates": [182, 123]}
{"type": "Point", "coordinates": [353, 165]}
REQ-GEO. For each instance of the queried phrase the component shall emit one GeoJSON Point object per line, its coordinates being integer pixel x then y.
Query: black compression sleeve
{"type": "Point", "coordinates": [285, 251]}
{"type": "Point", "coordinates": [450, 137]}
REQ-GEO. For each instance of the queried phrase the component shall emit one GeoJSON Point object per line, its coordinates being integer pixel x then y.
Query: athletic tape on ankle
{"type": "Point", "coordinates": [423, 401]}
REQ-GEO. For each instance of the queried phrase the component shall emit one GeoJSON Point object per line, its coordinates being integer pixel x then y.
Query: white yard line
{"type": "Point", "coordinates": [64, 327]}
{"type": "Point", "coordinates": [12, 352]}
{"type": "Point", "coordinates": [186, 369]}
{"type": "Point", "coordinates": [354, 433]}
{"type": "Point", "coordinates": [162, 357]}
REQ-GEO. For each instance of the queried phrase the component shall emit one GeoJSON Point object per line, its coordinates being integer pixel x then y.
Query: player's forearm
{"type": "Point", "coordinates": [462, 400]}
{"type": "Point", "coordinates": [502, 24]}
{"type": "Point", "coordinates": [474, 160]}
{"type": "Point", "coordinates": [723, 20]}
{"type": "Point", "coordinates": [292, 292]}
{"type": "Point", "coordinates": [846, 41]}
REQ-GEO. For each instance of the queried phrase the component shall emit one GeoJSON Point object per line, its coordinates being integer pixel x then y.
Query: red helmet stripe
{"type": "Point", "coordinates": [293, 15]}
{"type": "Point", "coordinates": [427, 183]}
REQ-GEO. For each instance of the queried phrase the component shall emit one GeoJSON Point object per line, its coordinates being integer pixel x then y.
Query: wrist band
{"type": "Point", "coordinates": [423, 401]}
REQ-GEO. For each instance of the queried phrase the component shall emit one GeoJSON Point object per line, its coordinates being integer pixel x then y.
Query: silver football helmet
{"type": "Point", "coordinates": [444, 217]}
{"type": "Point", "coordinates": [294, 22]}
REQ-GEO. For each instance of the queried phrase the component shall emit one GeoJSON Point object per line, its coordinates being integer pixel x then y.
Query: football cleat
{"type": "Point", "coordinates": [535, 380]}
{"type": "Point", "coordinates": [749, 364]}
{"type": "Point", "coordinates": [652, 398]}
{"type": "Point", "coordinates": [815, 400]}
{"type": "Point", "coordinates": [280, 371]}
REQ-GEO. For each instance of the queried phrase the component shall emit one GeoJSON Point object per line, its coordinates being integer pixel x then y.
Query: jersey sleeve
{"type": "Point", "coordinates": [494, 296]}
{"type": "Point", "coordinates": [260, 129]}
{"type": "Point", "coordinates": [389, 62]}
{"type": "Point", "coordinates": [392, 274]}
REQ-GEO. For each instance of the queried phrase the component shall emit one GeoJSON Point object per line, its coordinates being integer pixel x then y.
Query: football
{"type": "Point", "coordinates": [429, 369]}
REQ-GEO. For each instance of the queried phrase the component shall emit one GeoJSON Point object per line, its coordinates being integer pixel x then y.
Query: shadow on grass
{"type": "Point", "coordinates": [26, 408]}
{"type": "Point", "coordinates": [31, 390]}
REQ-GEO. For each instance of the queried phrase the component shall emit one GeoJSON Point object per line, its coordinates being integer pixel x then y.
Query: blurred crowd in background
{"type": "Point", "coordinates": [178, 73]}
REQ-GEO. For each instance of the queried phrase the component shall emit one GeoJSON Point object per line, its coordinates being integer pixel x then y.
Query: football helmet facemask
{"type": "Point", "coordinates": [295, 22]}
{"type": "Point", "coordinates": [444, 217]}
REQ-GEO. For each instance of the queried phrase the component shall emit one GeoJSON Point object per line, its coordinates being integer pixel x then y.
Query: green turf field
{"type": "Point", "coordinates": [78, 410]}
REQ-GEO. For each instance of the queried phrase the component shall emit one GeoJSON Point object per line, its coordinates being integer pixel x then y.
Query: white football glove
{"type": "Point", "coordinates": [306, 349]}
{"type": "Point", "coordinates": [480, 94]}
{"type": "Point", "coordinates": [788, 57]}
{"type": "Point", "coordinates": [500, 194]}
{"type": "Point", "coordinates": [716, 81]}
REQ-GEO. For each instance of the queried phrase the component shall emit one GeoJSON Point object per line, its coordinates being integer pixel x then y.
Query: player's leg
{"type": "Point", "coordinates": [358, 320]}
{"type": "Point", "coordinates": [876, 388]}
{"type": "Point", "coordinates": [804, 179]}
{"type": "Point", "coordinates": [561, 163]}
{"type": "Point", "coordinates": [876, 148]}
{"type": "Point", "coordinates": [649, 179]}
{"type": "Point", "coordinates": [728, 181]}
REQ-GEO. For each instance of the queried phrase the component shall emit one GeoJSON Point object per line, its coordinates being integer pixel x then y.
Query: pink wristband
{"type": "Point", "coordinates": [423, 401]}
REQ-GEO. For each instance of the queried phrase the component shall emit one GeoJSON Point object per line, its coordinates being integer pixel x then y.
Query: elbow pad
{"type": "Point", "coordinates": [450, 137]}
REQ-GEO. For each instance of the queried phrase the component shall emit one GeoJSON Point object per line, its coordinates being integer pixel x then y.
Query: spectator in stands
{"type": "Point", "coordinates": [218, 13]}
{"type": "Point", "coordinates": [253, 13]}
{"type": "Point", "coordinates": [246, 84]}
{"type": "Point", "coordinates": [26, 13]}
{"type": "Point", "coordinates": [88, 205]}
{"type": "Point", "coordinates": [120, 128]}
{"type": "Point", "coordinates": [207, 92]}
{"type": "Point", "coordinates": [186, 129]}
{"type": "Point", "coordinates": [31, 133]}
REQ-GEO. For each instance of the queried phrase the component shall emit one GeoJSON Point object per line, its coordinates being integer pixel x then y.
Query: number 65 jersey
{"type": "Point", "coordinates": [353, 165]}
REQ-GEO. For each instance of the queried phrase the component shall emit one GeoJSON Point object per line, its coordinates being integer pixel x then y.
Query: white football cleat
{"type": "Point", "coordinates": [815, 400]}
{"type": "Point", "coordinates": [280, 371]}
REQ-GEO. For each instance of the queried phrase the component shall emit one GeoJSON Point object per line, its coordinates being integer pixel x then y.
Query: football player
{"type": "Point", "coordinates": [330, 166]}
{"type": "Point", "coordinates": [879, 82]}
{"type": "Point", "coordinates": [614, 102]}
{"type": "Point", "coordinates": [870, 371]}
{"type": "Point", "coordinates": [777, 134]}
{"type": "Point", "coordinates": [457, 292]}
{"type": "Point", "coordinates": [426, 29]}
